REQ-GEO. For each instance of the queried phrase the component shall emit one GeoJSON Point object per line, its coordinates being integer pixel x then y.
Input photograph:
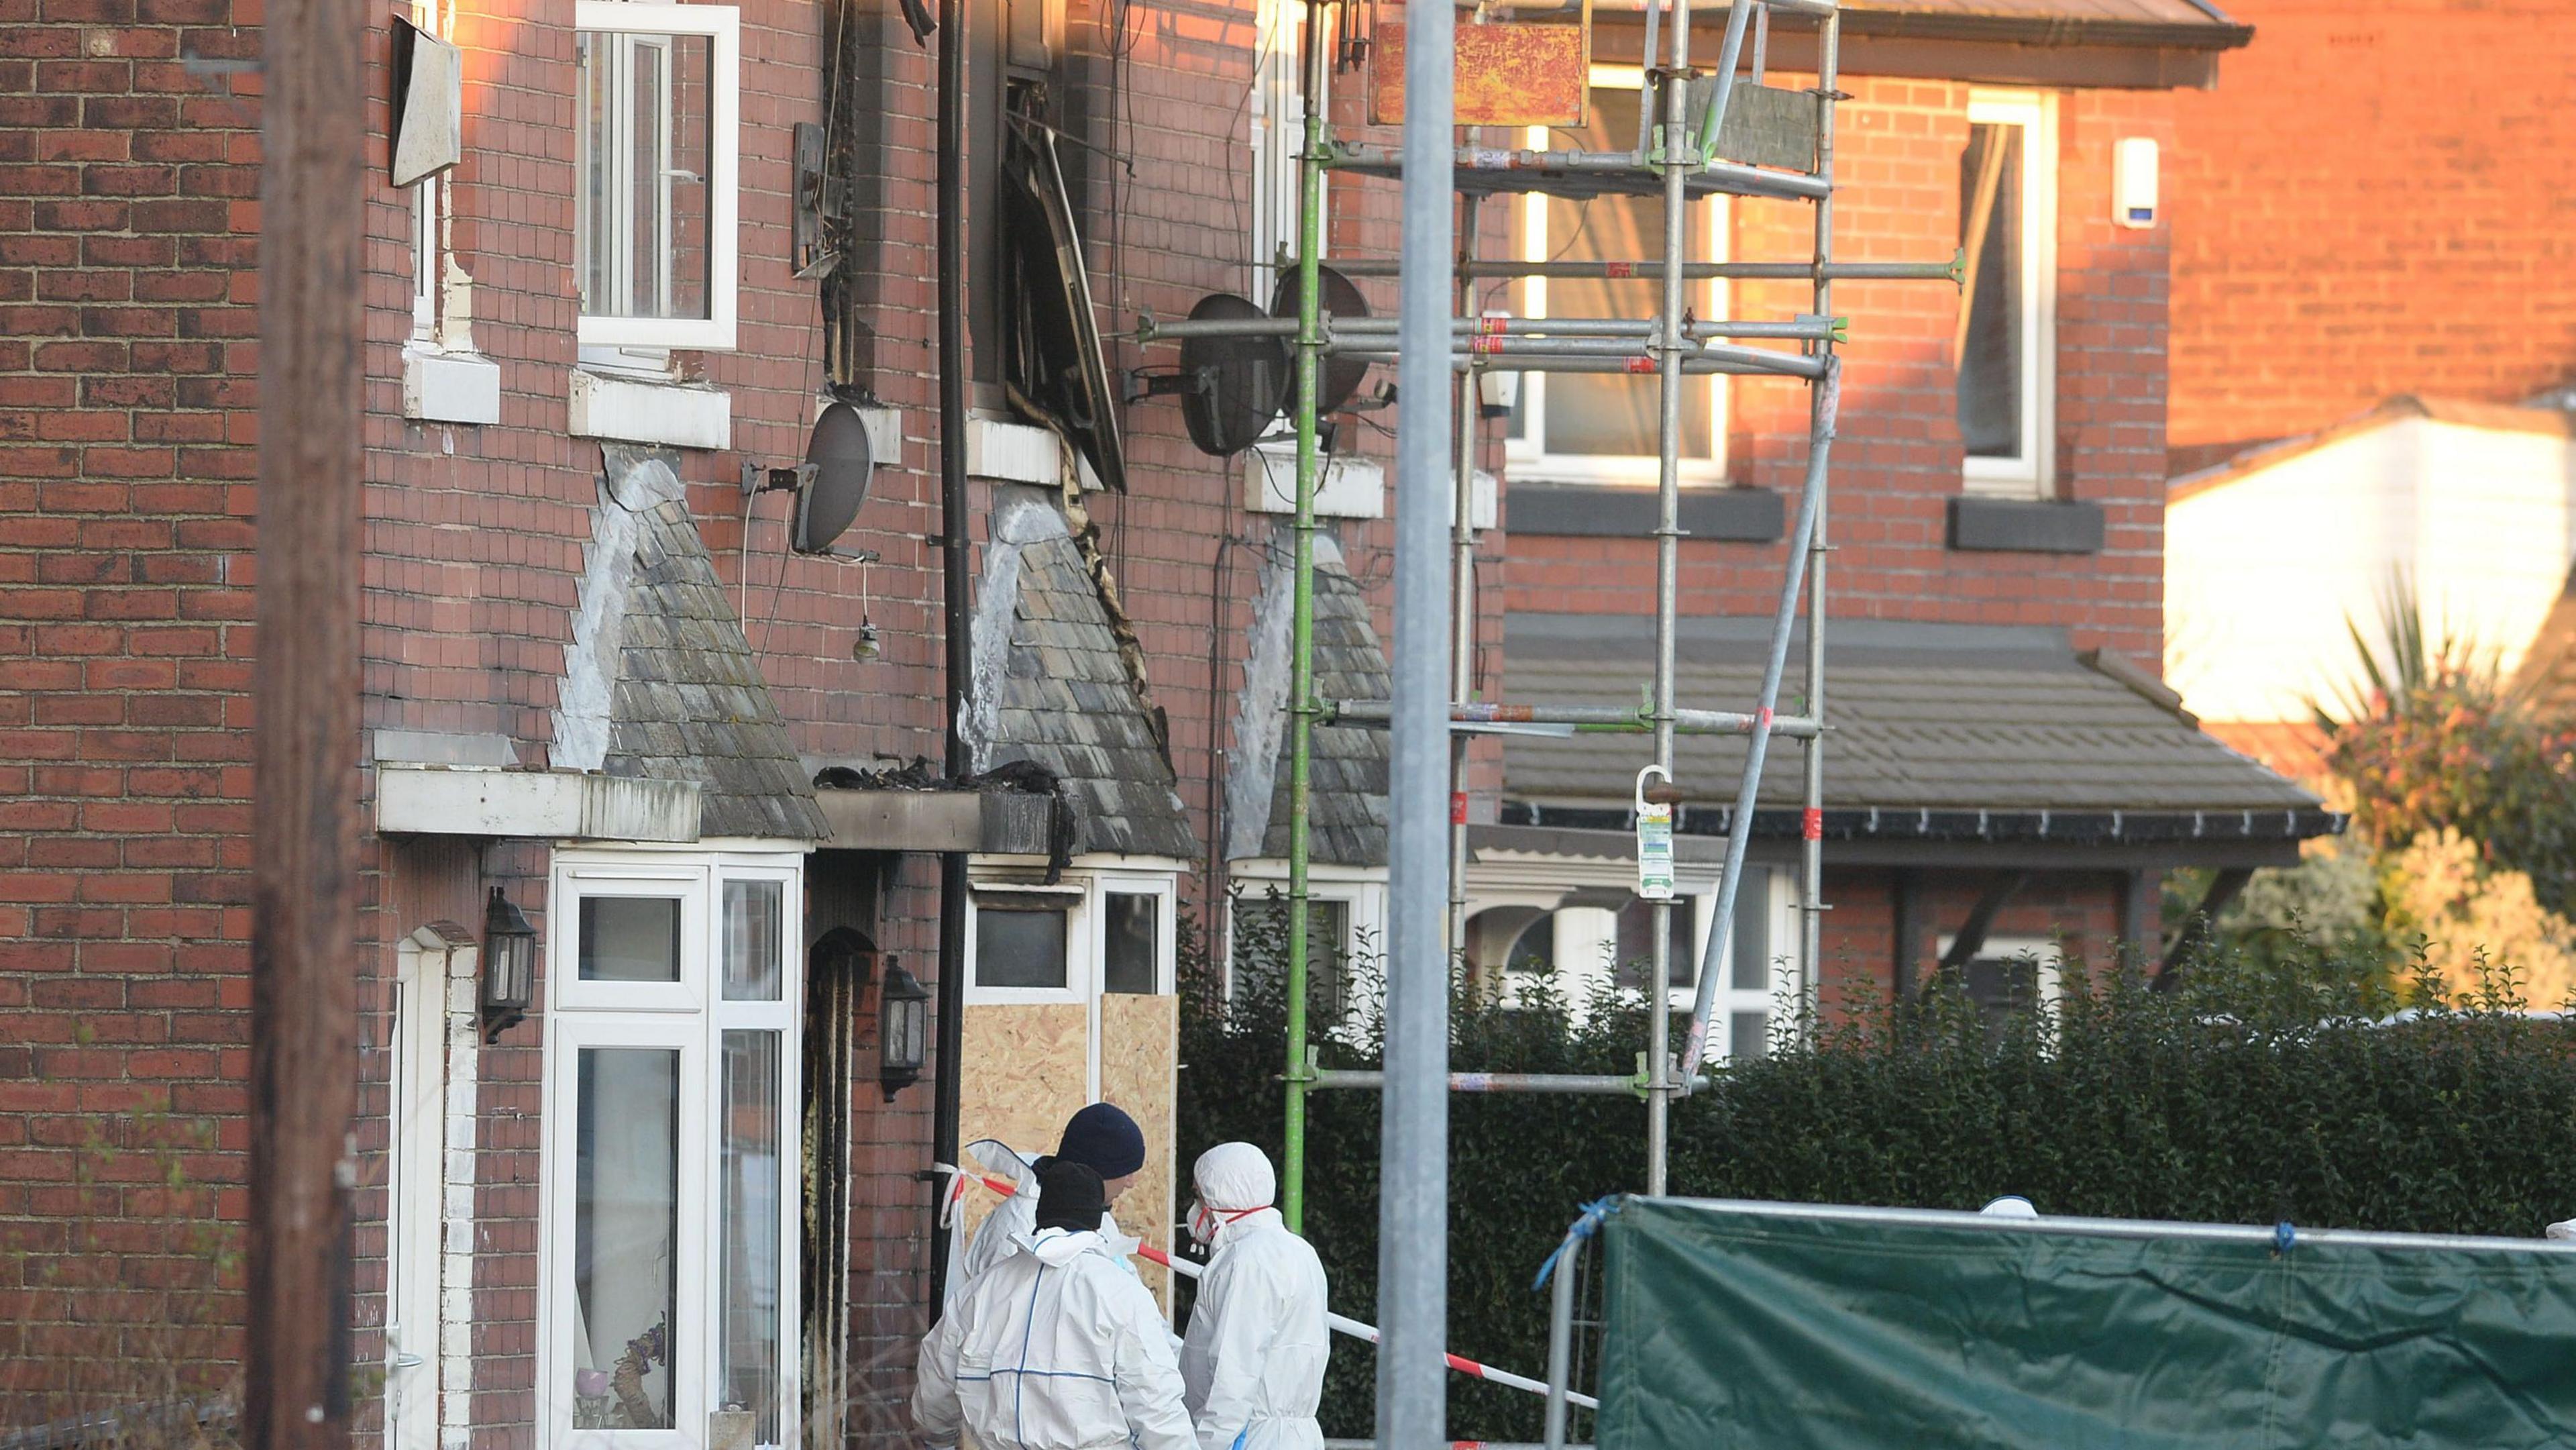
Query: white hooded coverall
{"type": "Point", "coordinates": [1002, 1230]}
{"type": "Point", "coordinates": [1253, 1357]}
{"type": "Point", "coordinates": [1058, 1347]}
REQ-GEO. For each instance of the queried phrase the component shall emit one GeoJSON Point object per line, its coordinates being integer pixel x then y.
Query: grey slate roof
{"type": "Point", "coordinates": [1921, 717]}
{"type": "Point", "coordinates": [1347, 769]}
{"type": "Point", "coordinates": [689, 702]}
{"type": "Point", "coordinates": [1054, 690]}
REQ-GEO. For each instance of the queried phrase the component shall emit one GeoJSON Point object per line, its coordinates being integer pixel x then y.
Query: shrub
{"type": "Point", "coordinates": [2285, 1086]}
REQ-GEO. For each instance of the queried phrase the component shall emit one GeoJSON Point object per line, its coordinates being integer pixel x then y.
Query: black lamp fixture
{"type": "Point", "coordinates": [903, 1028]}
{"type": "Point", "coordinates": [509, 966]}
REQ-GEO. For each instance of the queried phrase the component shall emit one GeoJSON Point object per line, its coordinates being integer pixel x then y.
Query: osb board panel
{"type": "Point", "coordinates": [1139, 1055]}
{"type": "Point", "coordinates": [1508, 75]}
{"type": "Point", "coordinates": [1027, 1068]}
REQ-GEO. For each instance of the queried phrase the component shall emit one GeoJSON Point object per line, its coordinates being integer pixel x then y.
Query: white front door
{"type": "Point", "coordinates": [414, 1196]}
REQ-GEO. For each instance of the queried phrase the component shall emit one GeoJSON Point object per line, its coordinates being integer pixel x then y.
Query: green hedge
{"type": "Point", "coordinates": [2261, 1090]}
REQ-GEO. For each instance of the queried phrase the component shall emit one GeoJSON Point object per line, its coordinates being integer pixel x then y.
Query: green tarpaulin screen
{"type": "Point", "coordinates": [1773, 1326]}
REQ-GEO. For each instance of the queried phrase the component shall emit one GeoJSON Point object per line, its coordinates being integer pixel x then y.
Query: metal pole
{"type": "Point", "coordinates": [1301, 627]}
{"type": "Point", "coordinates": [304, 799]}
{"type": "Point", "coordinates": [1950, 271]}
{"type": "Point", "coordinates": [1560, 1341]}
{"type": "Point", "coordinates": [1413, 1172]}
{"type": "Point", "coordinates": [1811, 820]}
{"type": "Point", "coordinates": [947, 1091]}
{"type": "Point", "coordinates": [1462, 593]}
{"type": "Point", "coordinates": [1575, 1084]}
{"type": "Point", "coordinates": [1739, 835]}
{"type": "Point", "coordinates": [1589, 717]}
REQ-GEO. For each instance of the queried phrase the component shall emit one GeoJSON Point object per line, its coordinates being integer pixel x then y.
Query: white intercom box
{"type": "Point", "coordinates": [2133, 182]}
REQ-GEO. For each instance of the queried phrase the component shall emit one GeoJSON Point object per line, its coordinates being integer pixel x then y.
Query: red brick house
{"type": "Point", "coordinates": [601, 682]}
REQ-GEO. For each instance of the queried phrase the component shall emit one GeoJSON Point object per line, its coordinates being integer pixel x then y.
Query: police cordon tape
{"type": "Point", "coordinates": [1341, 1324]}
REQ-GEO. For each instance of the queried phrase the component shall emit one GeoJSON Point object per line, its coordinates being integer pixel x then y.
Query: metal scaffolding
{"type": "Point", "coordinates": [1685, 150]}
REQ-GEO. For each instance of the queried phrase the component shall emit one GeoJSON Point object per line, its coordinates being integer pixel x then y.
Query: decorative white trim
{"type": "Point", "coordinates": [457, 1251]}
{"type": "Point", "coordinates": [442, 387]}
{"type": "Point", "coordinates": [1012, 452]}
{"type": "Point", "coordinates": [629, 410]}
{"type": "Point", "coordinates": [1345, 488]}
{"type": "Point", "coordinates": [536, 804]}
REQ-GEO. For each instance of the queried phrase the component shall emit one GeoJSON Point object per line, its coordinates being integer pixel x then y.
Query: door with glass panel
{"type": "Point", "coordinates": [671, 1192]}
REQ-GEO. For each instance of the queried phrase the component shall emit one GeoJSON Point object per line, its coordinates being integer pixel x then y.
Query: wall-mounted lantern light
{"type": "Point", "coordinates": [509, 966]}
{"type": "Point", "coordinates": [903, 1028]}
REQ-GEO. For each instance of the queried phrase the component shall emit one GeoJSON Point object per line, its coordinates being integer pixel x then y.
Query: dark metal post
{"type": "Point", "coordinates": [304, 918]}
{"type": "Point", "coordinates": [947, 1080]}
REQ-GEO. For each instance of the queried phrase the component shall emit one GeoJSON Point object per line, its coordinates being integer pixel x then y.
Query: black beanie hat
{"type": "Point", "coordinates": [1069, 1196]}
{"type": "Point", "coordinates": [1104, 1139]}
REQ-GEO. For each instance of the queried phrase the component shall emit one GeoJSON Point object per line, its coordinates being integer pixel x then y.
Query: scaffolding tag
{"type": "Point", "coordinates": [1654, 840]}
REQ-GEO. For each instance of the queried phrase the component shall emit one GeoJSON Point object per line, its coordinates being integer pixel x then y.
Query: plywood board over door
{"type": "Point", "coordinates": [1027, 1068]}
{"type": "Point", "coordinates": [1139, 1053]}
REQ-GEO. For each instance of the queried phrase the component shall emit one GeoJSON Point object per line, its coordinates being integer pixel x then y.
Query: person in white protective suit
{"type": "Point", "coordinates": [1253, 1358]}
{"type": "Point", "coordinates": [1100, 1137]}
{"type": "Point", "coordinates": [1057, 1347]}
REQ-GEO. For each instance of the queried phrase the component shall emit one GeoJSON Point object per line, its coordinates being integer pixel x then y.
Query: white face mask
{"type": "Point", "coordinates": [1202, 1223]}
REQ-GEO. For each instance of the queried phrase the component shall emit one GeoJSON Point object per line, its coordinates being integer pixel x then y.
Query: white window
{"type": "Point", "coordinates": [671, 1183]}
{"type": "Point", "coordinates": [1603, 427]}
{"type": "Point", "coordinates": [1345, 934]}
{"type": "Point", "coordinates": [2005, 345]}
{"type": "Point", "coordinates": [425, 199]}
{"type": "Point", "coordinates": [2010, 975]}
{"type": "Point", "coordinates": [1278, 106]}
{"type": "Point", "coordinates": [655, 153]}
{"type": "Point", "coordinates": [1094, 933]}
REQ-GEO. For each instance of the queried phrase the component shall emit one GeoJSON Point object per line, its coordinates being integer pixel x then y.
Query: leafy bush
{"type": "Point", "coordinates": [2287, 1086]}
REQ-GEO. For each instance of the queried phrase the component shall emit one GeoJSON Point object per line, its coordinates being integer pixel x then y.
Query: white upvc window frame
{"type": "Point", "coordinates": [1081, 943]}
{"type": "Point", "coordinates": [691, 1021]}
{"type": "Point", "coordinates": [1163, 888]}
{"type": "Point", "coordinates": [1524, 442]}
{"type": "Point", "coordinates": [2047, 956]}
{"type": "Point", "coordinates": [426, 205]}
{"type": "Point", "coordinates": [1278, 134]}
{"type": "Point", "coordinates": [1360, 890]}
{"type": "Point", "coordinates": [1779, 979]}
{"type": "Point", "coordinates": [2033, 474]}
{"type": "Point", "coordinates": [722, 24]}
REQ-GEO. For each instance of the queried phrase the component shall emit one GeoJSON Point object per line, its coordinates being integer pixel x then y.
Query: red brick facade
{"type": "Point", "coordinates": [2375, 200]}
{"type": "Point", "coordinates": [128, 232]}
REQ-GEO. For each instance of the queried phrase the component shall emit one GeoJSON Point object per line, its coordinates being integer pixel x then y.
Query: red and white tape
{"type": "Point", "coordinates": [1340, 1323]}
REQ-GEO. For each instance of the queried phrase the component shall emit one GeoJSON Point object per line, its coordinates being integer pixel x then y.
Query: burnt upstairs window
{"type": "Point", "coordinates": [1053, 367]}
{"type": "Point", "coordinates": [2003, 345]}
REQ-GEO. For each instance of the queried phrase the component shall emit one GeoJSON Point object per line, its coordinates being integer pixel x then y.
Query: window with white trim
{"type": "Point", "coordinates": [425, 200]}
{"type": "Point", "coordinates": [1604, 427]}
{"type": "Point", "coordinates": [2010, 976]}
{"type": "Point", "coordinates": [1092, 933]}
{"type": "Point", "coordinates": [1278, 131]}
{"type": "Point", "coordinates": [2005, 343]}
{"type": "Point", "coordinates": [671, 1180]}
{"type": "Point", "coordinates": [655, 162]}
{"type": "Point", "coordinates": [1345, 926]}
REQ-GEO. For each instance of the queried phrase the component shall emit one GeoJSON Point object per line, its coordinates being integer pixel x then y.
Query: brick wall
{"type": "Point", "coordinates": [124, 655]}
{"type": "Point", "coordinates": [2376, 199]}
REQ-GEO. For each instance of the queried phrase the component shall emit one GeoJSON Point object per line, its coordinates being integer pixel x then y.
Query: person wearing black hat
{"type": "Point", "coordinates": [1057, 1347]}
{"type": "Point", "coordinates": [1102, 1138]}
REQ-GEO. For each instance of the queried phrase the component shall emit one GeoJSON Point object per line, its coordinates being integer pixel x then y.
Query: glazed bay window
{"type": "Point", "coordinates": [1093, 933]}
{"type": "Point", "coordinates": [1602, 427]}
{"type": "Point", "coordinates": [2006, 339]}
{"type": "Point", "coordinates": [671, 1187]}
{"type": "Point", "coordinates": [655, 161]}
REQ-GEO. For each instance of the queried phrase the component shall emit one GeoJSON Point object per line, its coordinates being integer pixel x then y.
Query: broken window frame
{"type": "Point", "coordinates": [722, 25]}
{"type": "Point", "coordinates": [2030, 472]}
{"type": "Point", "coordinates": [1525, 435]}
{"type": "Point", "coordinates": [692, 1018]}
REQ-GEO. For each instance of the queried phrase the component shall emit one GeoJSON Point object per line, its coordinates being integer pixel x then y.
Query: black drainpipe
{"type": "Point", "coordinates": [947, 1083]}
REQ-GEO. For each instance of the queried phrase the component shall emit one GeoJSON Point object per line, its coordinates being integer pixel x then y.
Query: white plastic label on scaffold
{"type": "Point", "coordinates": [1654, 841]}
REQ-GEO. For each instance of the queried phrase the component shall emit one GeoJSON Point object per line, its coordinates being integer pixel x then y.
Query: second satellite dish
{"type": "Point", "coordinates": [844, 465]}
{"type": "Point", "coordinates": [1342, 376]}
{"type": "Point", "coordinates": [1233, 387]}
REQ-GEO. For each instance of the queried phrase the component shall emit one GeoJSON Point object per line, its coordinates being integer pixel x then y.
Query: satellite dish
{"type": "Point", "coordinates": [1233, 386]}
{"type": "Point", "coordinates": [843, 466]}
{"type": "Point", "coordinates": [1341, 377]}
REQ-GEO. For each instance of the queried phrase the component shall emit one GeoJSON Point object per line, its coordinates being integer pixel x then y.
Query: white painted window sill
{"type": "Point", "coordinates": [1346, 488]}
{"type": "Point", "coordinates": [633, 410]}
{"type": "Point", "coordinates": [450, 387]}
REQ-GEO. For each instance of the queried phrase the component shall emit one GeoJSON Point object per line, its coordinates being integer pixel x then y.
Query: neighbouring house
{"type": "Point", "coordinates": [2004, 770]}
{"type": "Point", "coordinates": [2277, 558]}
